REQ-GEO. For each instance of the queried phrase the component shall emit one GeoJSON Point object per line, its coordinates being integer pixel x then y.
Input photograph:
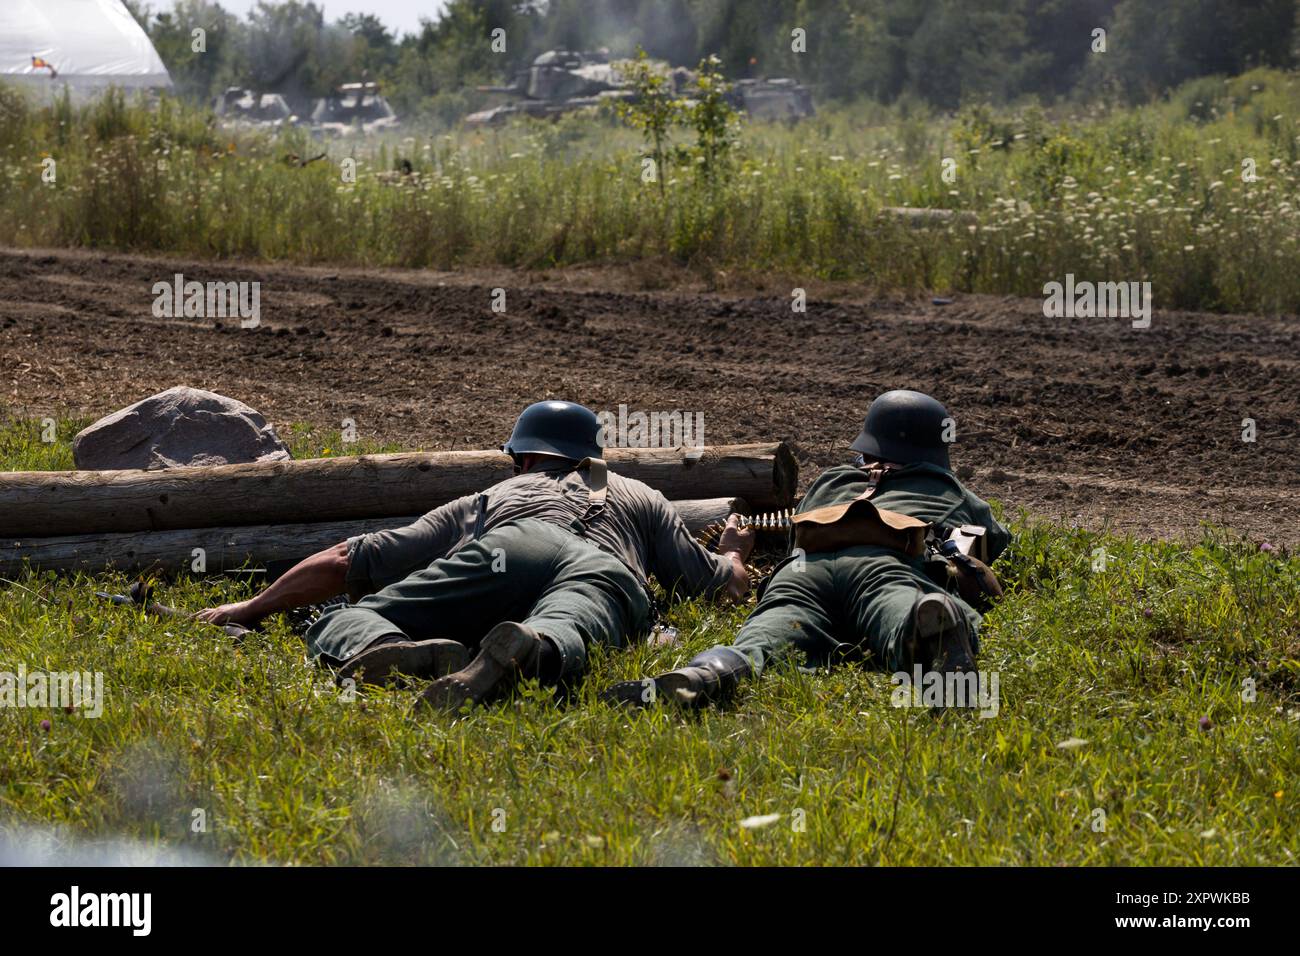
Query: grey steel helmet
{"type": "Point", "coordinates": [555, 428]}
{"type": "Point", "coordinates": [905, 427]}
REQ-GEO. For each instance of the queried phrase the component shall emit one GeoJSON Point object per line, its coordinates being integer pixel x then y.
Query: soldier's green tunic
{"type": "Point", "coordinates": [856, 603]}
{"type": "Point", "coordinates": [532, 550]}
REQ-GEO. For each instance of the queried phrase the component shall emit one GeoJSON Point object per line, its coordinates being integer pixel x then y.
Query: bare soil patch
{"type": "Point", "coordinates": [1086, 420]}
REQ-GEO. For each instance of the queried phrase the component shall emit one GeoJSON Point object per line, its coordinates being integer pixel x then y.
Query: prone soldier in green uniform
{"type": "Point", "coordinates": [858, 584]}
{"type": "Point", "coordinates": [529, 573]}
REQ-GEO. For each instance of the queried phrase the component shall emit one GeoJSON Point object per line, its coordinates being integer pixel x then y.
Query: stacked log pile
{"type": "Point", "coordinates": [249, 514]}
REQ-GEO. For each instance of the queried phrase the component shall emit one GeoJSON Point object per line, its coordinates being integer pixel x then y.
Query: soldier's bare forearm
{"type": "Point", "coordinates": [312, 579]}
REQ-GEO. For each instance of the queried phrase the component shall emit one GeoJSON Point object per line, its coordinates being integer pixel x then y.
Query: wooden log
{"type": "Point", "coordinates": [345, 489]}
{"type": "Point", "coordinates": [229, 549]}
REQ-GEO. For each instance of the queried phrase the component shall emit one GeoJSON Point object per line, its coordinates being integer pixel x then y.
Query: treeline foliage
{"type": "Point", "coordinates": [944, 53]}
{"type": "Point", "coordinates": [1198, 194]}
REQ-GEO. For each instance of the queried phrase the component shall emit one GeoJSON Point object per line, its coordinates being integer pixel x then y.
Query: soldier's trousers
{"type": "Point", "coordinates": [853, 604]}
{"type": "Point", "coordinates": [527, 571]}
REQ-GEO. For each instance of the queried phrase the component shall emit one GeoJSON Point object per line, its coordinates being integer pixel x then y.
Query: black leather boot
{"type": "Point", "coordinates": [709, 677]}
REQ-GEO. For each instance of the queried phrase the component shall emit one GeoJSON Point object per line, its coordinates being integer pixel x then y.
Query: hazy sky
{"type": "Point", "coordinates": [400, 16]}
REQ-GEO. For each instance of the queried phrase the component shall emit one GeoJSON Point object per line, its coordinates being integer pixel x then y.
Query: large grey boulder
{"type": "Point", "coordinates": [177, 428]}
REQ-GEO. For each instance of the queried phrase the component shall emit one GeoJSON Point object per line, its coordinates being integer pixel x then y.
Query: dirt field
{"type": "Point", "coordinates": [1087, 420]}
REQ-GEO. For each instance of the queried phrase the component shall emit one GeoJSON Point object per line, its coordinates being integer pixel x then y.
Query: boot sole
{"type": "Point", "coordinates": [501, 653]}
{"type": "Point", "coordinates": [941, 636]}
{"type": "Point", "coordinates": [388, 663]}
{"type": "Point", "coordinates": [677, 688]}
{"type": "Point", "coordinates": [632, 693]}
{"type": "Point", "coordinates": [672, 687]}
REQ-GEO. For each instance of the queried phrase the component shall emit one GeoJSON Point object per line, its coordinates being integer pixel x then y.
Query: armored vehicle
{"type": "Point", "coordinates": [355, 108]}
{"type": "Point", "coordinates": [560, 81]}
{"type": "Point", "coordinates": [778, 99]}
{"type": "Point", "coordinates": [241, 108]}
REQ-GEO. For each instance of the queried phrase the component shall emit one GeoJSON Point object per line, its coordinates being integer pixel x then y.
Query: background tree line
{"type": "Point", "coordinates": [943, 53]}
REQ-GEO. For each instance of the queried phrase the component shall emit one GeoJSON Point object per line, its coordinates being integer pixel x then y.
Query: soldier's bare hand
{"type": "Point", "coordinates": [735, 538]}
{"type": "Point", "coordinates": [237, 613]}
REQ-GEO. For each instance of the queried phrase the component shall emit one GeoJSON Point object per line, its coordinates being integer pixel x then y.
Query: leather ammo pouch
{"type": "Point", "coordinates": [858, 522]}
{"type": "Point", "coordinates": [975, 581]}
{"type": "Point", "coordinates": [953, 564]}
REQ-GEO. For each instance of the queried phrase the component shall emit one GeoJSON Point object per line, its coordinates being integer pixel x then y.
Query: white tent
{"type": "Point", "coordinates": [83, 44]}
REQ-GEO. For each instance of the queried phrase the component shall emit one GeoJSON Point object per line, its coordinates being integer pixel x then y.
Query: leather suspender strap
{"type": "Point", "coordinates": [480, 515]}
{"type": "Point", "coordinates": [597, 486]}
{"type": "Point", "coordinates": [597, 483]}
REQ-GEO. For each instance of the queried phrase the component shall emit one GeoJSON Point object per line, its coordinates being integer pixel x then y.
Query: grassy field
{"type": "Point", "coordinates": [1199, 194]}
{"type": "Point", "coordinates": [1127, 733]}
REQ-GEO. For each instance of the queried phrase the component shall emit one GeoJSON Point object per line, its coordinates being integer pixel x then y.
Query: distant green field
{"type": "Point", "coordinates": [1147, 714]}
{"type": "Point", "coordinates": [1156, 193]}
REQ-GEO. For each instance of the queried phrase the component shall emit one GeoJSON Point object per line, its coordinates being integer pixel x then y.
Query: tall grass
{"type": "Point", "coordinates": [1154, 193]}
